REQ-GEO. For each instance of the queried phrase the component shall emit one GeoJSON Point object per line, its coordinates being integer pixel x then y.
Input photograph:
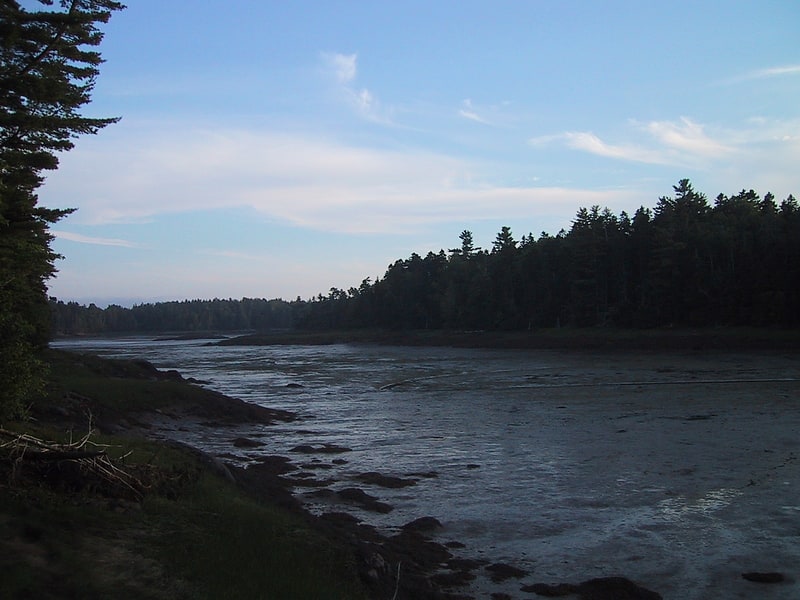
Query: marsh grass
{"type": "Point", "coordinates": [194, 534]}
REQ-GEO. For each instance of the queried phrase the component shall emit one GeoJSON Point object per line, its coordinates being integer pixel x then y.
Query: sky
{"type": "Point", "coordinates": [272, 149]}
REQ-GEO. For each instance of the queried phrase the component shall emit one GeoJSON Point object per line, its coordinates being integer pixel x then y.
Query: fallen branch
{"type": "Point", "coordinates": [63, 454]}
{"type": "Point", "coordinates": [95, 468]}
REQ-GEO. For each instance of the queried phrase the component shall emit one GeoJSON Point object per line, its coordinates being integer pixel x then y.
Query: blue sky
{"type": "Point", "coordinates": [278, 149]}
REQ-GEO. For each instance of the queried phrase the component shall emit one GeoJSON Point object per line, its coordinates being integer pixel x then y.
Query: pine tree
{"type": "Point", "coordinates": [48, 68]}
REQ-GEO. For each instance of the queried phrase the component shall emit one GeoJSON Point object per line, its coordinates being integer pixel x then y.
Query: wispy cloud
{"type": "Point", "coordinates": [98, 241]}
{"type": "Point", "coordinates": [467, 111]}
{"type": "Point", "coordinates": [589, 142]}
{"type": "Point", "coordinates": [297, 179]}
{"type": "Point", "coordinates": [766, 73]}
{"type": "Point", "coordinates": [344, 68]}
{"type": "Point", "coordinates": [686, 136]}
{"type": "Point", "coordinates": [678, 143]}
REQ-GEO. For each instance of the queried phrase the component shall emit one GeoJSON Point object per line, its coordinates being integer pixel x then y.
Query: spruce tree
{"type": "Point", "coordinates": [48, 67]}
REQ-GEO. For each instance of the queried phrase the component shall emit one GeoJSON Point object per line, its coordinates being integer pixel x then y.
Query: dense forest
{"type": "Point", "coordinates": [683, 263]}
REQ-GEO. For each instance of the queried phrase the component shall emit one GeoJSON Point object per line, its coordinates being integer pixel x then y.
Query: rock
{"type": "Point", "coordinates": [272, 465]}
{"type": "Point", "coordinates": [386, 481]}
{"type": "Point", "coordinates": [364, 500]}
{"type": "Point", "coordinates": [423, 524]}
{"type": "Point", "coordinates": [424, 552]}
{"type": "Point", "coordinates": [303, 449]}
{"type": "Point", "coordinates": [614, 588]}
{"type": "Point", "coordinates": [243, 442]}
{"type": "Point", "coordinates": [293, 385]}
{"type": "Point", "coordinates": [764, 577]}
{"type": "Point", "coordinates": [424, 474]}
{"type": "Point", "coordinates": [602, 588]}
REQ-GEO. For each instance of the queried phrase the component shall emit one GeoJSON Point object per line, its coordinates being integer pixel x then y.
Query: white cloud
{"type": "Point", "coordinates": [99, 241]}
{"type": "Point", "coordinates": [778, 71]}
{"type": "Point", "coordinates": [687, 136]}
{"type": "Point", "coordinates": [589, 142]}
{"type": "Point", "coordinates": [681, 143]}
{"type": "Point", "coordinates": [343, 66]}
{"type": "Point", "coordinates": [766, 73]}
{"type": "Point", "coordinates": [303, 180]}
{"type": "Point", "coordinates": [468, 112]}
{"type": "Point", "coordinates": [345, 70]}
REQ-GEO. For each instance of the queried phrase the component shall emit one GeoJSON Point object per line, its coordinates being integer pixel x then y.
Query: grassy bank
{"type": "Point", "coordinates": [176, 529]}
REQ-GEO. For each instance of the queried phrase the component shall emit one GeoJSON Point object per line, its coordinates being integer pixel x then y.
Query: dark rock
{"type": "Point", "coordinates": [501, 572]}
{"type": "Point", "coordinates": [171, 374]}
{"type": "Point", "coordinates": [423, 524]}
{"type": "Point", "coordinates": [303, 449]}
{"type": "Point", "coordinates": [272, 465]}
{"type": "Point", "coordinates": [551, 591]}
{"type": "Point", "coordinates": [364, 500]}
{"type": "Point", "coordinates": [243, 442]}
{"type": "Point", "coordinates": [420, 549]}
{"type": "Point", "coordinates": [424, 474]}
{"type": "Point", "coordinates": [764, 577]}
{"type": "Point", "coordinates": [614, 588]}
{"type": "Point", "coordinates": [500, 596]}
{"type": "Point", "coordinates": [386, 481]}
{"type": "Point", "coordinates": [293, 385]}
{"type": "Point", "coordinates": [602, 588]}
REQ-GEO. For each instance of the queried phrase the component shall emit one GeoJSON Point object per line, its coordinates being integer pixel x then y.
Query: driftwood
{"type": "Point", "coordinates": [95, 469]}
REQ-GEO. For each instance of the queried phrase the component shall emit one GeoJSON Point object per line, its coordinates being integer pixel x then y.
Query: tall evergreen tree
{"type": "Point", "coordinates": [47, 72]}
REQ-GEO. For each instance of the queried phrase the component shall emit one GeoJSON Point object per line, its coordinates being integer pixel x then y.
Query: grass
{"type": "Point", "coordinates": [193, 535]}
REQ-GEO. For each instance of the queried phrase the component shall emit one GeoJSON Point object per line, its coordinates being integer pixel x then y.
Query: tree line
{"type": "Point", "coordinates": [684, 262]}
{"type": "Point", "coordinates": [71, 318]}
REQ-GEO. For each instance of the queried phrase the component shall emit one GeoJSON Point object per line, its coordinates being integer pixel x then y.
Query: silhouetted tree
{"type": "Point", "coordinates": [47, 71]}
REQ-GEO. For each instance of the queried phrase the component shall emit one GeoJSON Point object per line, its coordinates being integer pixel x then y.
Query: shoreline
{"type": "Point", "coordinates": [565, 339]}
{"type": "Point", "coordinates": [274, 475]}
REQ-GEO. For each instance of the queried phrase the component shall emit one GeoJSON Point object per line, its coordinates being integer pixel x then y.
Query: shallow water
{"type": "Point", "coordinates": [677, 472]}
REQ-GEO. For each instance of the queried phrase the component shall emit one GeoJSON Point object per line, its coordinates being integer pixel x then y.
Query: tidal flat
{"type": "Point", "coordinates": [676, 469]}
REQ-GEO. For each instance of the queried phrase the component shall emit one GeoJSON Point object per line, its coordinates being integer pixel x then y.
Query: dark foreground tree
{"type": "Point", "coordinates": [48, 66]}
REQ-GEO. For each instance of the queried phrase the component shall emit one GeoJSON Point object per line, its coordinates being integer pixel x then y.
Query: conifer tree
{"type": "Point", "coordinates": [48, 67]}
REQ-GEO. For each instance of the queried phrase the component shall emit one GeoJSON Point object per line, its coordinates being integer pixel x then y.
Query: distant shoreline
{"type": "Point", "coordinates": [649, 340]}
